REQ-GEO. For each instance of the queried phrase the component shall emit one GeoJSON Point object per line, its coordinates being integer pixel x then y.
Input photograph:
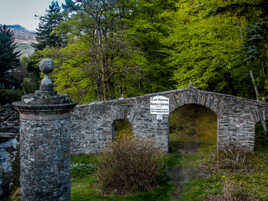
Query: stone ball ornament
{"type": "Point", "coordinates": [46, 65]}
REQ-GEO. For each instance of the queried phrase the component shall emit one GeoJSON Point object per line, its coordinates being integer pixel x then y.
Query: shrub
{"type": "Point", "coordinates": [236, 159]}
{"type": "Point", "coordinates": [130, 164]}
{"type": "Point", "coordinates": [7, 96]}
{"type": "Point", "coordinates": [232, 191]}
{"type": "Point", "coordinates": [29, 85]}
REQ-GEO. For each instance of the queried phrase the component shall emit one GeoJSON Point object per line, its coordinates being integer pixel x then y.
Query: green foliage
{"type": "Point", "coordinates": [7, 96]}
{"type": "Point", "coordinates": [254, 36]}
{"type": "Point", "coordinates": [150, 24]}
{"type": "Point", "coordinates": [124, 48]}
{"type": "Point", "coordinates": [73, 75]}
{"type": "Point", "coordinates": [29, 85]}
{"type": "Point", "coordinates": [256, 49]}
{"type": "Point", "coordinates": [112, 64]}
{"type": "Point", "coordinates": [45, 36]}
{"type": "Point", "coordinates": [206, 51]}
{"type": "Point", "coordinates": [9, 57]}
{"type": "Point", "coordinates": [113, 49]}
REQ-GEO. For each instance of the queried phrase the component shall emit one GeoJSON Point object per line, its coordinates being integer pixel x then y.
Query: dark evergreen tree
{"type": "Point", "coordinates": [70, 6]}
{"type": "Point", "coordinates": [9, 57]}
{"type": "Point", "coordinates": [45, 35]}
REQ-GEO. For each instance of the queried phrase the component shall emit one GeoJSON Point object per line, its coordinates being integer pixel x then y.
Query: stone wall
{"type": "Point", "coordinates": [92, 125]}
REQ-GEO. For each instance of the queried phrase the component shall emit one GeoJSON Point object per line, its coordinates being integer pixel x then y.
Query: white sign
{"type": "Point", "coordinates": [159, 105]}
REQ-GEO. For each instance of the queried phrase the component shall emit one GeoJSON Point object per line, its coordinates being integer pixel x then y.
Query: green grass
{"type": "Point", "coordinates": [85, 187]}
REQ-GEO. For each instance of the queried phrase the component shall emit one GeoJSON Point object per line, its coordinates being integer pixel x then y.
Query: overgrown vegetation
{"type": "Point", "coordinates": [130, 164]}
{"type": "Point", "coordinates": [109, 49]}
{"type": "Point", "coordinates": [8, 96]}
{"type": "Point", "coordinates": [235, 159]}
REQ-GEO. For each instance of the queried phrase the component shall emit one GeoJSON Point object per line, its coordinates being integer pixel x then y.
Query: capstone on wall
{"type": "Point", "coordinates": [92, 124]}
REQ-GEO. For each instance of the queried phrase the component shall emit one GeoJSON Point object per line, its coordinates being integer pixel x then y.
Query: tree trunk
{"type": "Point", "coordinates": [257, 97]}
{"type": "Point", "coordinates": [253, 80]}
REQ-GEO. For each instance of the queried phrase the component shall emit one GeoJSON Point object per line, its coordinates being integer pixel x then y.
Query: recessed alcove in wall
{"type": "Point", "coordinates": [261, 139]}
{"type": "Point", "coordinates": [121, 127]}
{"type": "Point", "coordinates": [192, 123]}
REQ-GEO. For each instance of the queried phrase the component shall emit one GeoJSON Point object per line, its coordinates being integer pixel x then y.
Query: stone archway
{"type": "Point", "coordinates": [236, 118]}
{"type": "Point", "coordinates": [261, 139]}
{"type": "Point", "coordinates": [192, 124]}
{"type": "Point", "coordinates": [120, 128]}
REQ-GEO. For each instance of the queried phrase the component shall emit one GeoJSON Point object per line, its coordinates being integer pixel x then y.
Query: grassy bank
{"type": "Point", "coordinates": [204, 179]}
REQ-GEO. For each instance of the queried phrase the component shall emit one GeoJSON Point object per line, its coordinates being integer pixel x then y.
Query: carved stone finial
{"type": "Point", "coordinates": [46, 66]}
{"type": "Point", "coordinates": [191, 85]}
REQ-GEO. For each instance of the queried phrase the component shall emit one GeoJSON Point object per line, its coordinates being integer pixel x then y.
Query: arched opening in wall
{"type": "Point", "coordinates": [191, 126]}
{"type": "Point", "coordinates": [261, 139]}
{"type": "Point", "coordinates": [121, 127]}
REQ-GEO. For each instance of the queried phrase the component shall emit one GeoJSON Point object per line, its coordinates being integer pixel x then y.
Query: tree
{"type": "Point", "coordinates": [112, 60]}
{"type": "Point", "coordinates": [255, 40]}
{"type": "Point", "coordinates": [45, 35]}
{"type": "Point", "coordinates": [150, 23]}
{"type": "Point", "coordinates": [120, 41]}
{"type": "Point", "coordinates": [9, 57]}
{"type": "Point", "coordinates": [206, 51]}
{"type": "Point", "coordinates": [252, 17]}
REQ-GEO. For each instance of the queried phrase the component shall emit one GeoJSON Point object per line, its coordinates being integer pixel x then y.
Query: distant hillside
{"type": "Point", "coordinates": [22, 34]}
{"type": "Point", "coordinates": [24, 38]}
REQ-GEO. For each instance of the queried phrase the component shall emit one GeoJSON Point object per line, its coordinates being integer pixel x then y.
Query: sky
{"type": "Point", "coordinates": [22, 12]}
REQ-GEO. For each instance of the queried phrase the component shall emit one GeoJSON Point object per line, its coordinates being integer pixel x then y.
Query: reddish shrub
{"type": "Point", "coordinates": [130, 164]}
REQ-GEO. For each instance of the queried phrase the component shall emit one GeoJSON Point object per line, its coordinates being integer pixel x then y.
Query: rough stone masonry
{"type": "Point", "coordinates": [92, 124]}
{"type": "Point", "coordinates": [45, 142]}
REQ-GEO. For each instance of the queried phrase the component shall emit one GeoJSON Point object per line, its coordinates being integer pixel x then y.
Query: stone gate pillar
{"type": "Point", "coordinates": [45, 142]}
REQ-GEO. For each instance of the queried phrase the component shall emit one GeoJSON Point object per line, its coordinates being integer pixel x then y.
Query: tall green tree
{"type": "Point", "coordinates": [255, 40]}
{"type": "Point", "coordinates": [112, 60]}
{"type": "Point", "coordinates": [256, 55]}
{"type": "Point", "coordinates": [151, 23]}
{"type": "Point", "coordinates": [9, 56]}
{"type": "Point", "coordinates": [206, 51]}
{"type": "Point", "coordinates": [45, 36]}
